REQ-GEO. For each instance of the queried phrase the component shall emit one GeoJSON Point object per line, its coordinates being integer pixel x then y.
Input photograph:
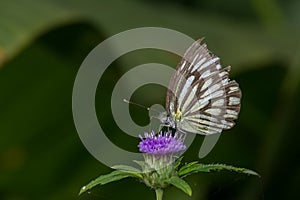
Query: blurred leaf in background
{"type": "Point", "coordinates": [42, 44]}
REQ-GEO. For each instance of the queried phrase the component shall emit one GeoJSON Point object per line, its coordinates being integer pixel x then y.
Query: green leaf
{"type": "Point", "coordinates": [15, 33]}
{"type": "Point", "coordinates": [140, 163]}
{"type": "Point", "coordinates": [195, 167]}
{"type": "Point", "coordinates": [180, 184]}
{"type": "Point", "coordinates": [129, 169]}
{"type": "Point", "coordinates": [189, 166]}
{"type": "Point", "coordinates": [104, 179]}
{"type": "Point", "coordinates": [178, 162]}
{"type": "Point", "coordinates": [20, 26]}
{"type": "Point", "coordinates": [126, 168]}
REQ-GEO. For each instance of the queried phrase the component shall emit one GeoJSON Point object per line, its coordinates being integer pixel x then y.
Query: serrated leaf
{"type": "Point", "coordinates": [219, 167]}
{"type": "Point", "coordinates": [197, 167]}
{"type": "Point", "coordinates": [180, 184]}
{"type": "Point", "coordinates": [104, 179]}
{"type": "Point", "coordinates": [187, 167]}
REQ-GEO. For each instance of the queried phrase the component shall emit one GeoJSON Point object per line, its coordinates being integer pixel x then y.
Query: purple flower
{"type": "Point", "coordinates": [158, 151]}
{"type": "Point", "coordinates": [161, 144]}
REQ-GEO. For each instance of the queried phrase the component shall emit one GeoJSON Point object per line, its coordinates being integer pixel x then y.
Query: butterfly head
{"type": "Point", "coordinates": [166, 119]}
{"type": "Point", "coordinates": [170, 119]}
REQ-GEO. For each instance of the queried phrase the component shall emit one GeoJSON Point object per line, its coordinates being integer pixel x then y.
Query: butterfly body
{"type": "Point", "coordinates": [201, 98]}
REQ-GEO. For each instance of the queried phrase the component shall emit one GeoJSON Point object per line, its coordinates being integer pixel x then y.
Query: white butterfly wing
{"type": "Point", "coordinates": [201, 99]}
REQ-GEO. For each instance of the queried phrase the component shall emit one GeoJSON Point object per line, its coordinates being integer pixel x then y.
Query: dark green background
{"type": "Point", "coordinates": [42, 44]}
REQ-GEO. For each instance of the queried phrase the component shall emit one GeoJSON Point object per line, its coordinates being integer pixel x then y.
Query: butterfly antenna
{"type": "Point", "coordinates": [142, 106]}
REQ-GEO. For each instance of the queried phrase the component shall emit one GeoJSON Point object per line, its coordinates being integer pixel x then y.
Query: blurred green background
{"type": "Point", "coordinates": [42, 44]}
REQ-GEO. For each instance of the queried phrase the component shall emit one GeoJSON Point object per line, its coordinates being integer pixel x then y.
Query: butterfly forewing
{"type": "Point", "coordinates": [201, 98]}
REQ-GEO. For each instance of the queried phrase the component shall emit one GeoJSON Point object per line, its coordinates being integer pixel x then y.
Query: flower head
{"type": "Point", "coordinates": [159, 156]}
{"type": "Point", "coordinates": [161, 144]}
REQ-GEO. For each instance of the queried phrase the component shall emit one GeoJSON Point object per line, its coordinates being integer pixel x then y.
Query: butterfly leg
{"type": "Point", "coordinates": [184, 134]}
{"type": "Point", "coordinates": [160, 127]}
{"type": "Point", "coordinates": [186, 138]}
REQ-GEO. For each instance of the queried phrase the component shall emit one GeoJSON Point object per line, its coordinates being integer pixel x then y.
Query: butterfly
{"type": "Point", "coordinates": [201, 98]}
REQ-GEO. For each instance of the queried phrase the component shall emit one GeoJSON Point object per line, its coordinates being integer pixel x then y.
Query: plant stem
{"type": "Point", "coordinates": [159, 194]}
